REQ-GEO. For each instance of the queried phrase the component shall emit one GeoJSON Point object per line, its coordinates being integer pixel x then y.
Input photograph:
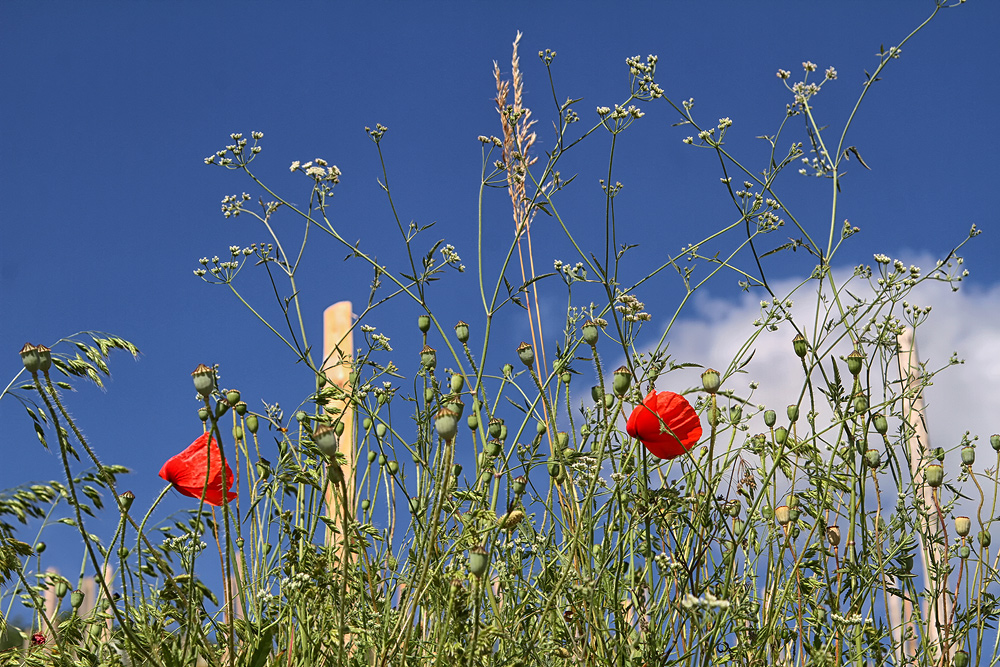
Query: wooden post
{"type": "Point", "coordinates": [338, 350]}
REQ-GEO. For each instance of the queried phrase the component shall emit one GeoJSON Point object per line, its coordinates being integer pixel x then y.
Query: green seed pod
{"type": "Point", "coordinates": [860, 402]}
{"type": "Point", "coordinates": [526, 354]}
{"type": "Point", "coordinates": [415, 506]}
{"type": "Point", "coordinates": [713, 415]}
{"type": "Point", "coordinates": [457, 383]}
{"type": "Point", "coordinates": [263, 468]}
{"type": "Point", "coordinates": [541, 428]}
{"type": "Point", "coordinates": [985, 539]}
{"type": "Point", "coordinates": [325, 438]}
{"type": "Point", "coordinates": [597, 393]}
{"type": "Point", "coordinates": [366, 423]}
{"type": "Point", "coordinates": [39, 547]}
{"type": "Point", "coordinates": [339, 428]}
{"type": "Point", "coordinates": [456, 471]}
{"type": "Point", "coordinates": [123, 552]}
{"type": "Point", "coordinates": [423, 323]}
{"type": "Point", "coordinates": [76, 599]}
{"type": "Point", "coordinates": [964, 551]}
{"type": "Point", "coordinates": [237, 432]}
{"type": "Point", "coordinates": [510, 520]}
{"type": "Point", "coordinates": [462, 332]}
{"type": "Point", "coordinates": [872, 458]}
{"type": "Point", "coordinates": [429, 394]}
{"type": "Point", "coordinates": [794, 513]}
{"type": "Point", "coordinates": [960, 659]}
{"type": "Point", "coordinates": [371, 456]}
{"type": "Point", "coordinates": [968, 455]}
{"type": "Point", "coordinates": [125, 501]}
{"type": "Point", "coordinates": [735, 414]}
{"type": "Point", "coordinates": [494, 447]}
{"type": "Point", "coordinates": [233, 396]}
{"type": "Point", "coordinates": [833, 535]}
{"type": "Point", "coordinates": [609, 400]}
{"type": "Point", "coordinates": [800, 345]}
{"type": "Point", "coordinates": [519, 484]}
{"type": "Point", "coordinates": [446, 424]}
{"type": "Point", "coordinates": [880, 423]}
{"type": "Point", "coordinates": [565, 377]}
{"type": "Point", "coordinates": [203, 414]}
{"type": "Point", "coordinates": [239, 542]}
{"type": "Point", "coordinates": [496, 425]}
{"type": "Point", "coordinates": [770, 418]}
{"type": "Point", "coordinates": [479, 560]}
{"type": "Point", "coordinates": [204, 379]}
{"type": "Point", "coordinates": [267, 548]}
{"type": "Point", "coordinates": [710, 380]}
{"type": "Point", "coordinates": [428, 357]}
{"type": "Point", "coordinates": [382, 460]}
{"type": "Point", "coordinates": [221, 407]}
{"type": "Point", "coordinates": [793, 413]}
{"type": "Point", "coordinates": [562, 440]}
{"type": "Point", "coordinates": [507, 370]}
{"type": "Point", "coordinates": [855, 361]}
{"type": "Point", "coordinates": [44, 358]}
{"type": "Point", "coordinates": [241, 408]}
{"type": "Point", "coordinates": [61, 589]}
{"type": "Point", "coordinates": [473, 422]}
{"type": "Point", "coordinates": [393, 467]}
{"type": "Point", "coordinates": [503, 432]}
{"type": "Point", "coordinates": [934, 475]}
{"type": "Point", "coordinates": [380, 430]}
{"type": "Point", "coordinates": [939, 453]}
{"type": "Point", "coordinates": [301, 416]}
{"type": "Point", "coordinates": [995, 442]}
{"type": "Point", "coordinates": [365, 504]}
{"type": "Point", "coordinates": [795, 531]}
{"type": "Point", "coordinates": [621, 381]}
{"type": "Point", "coordinates": [589, 332]}
{"type": "Point", "coordinates": [733, 508]}
{"type": "Point", "coordinates": [782, 515]}
{"type": "Point", "coordinates": [251, 422]}
{"type": "Point", "coordinates": [30, 358]}
{"type": "Point", "coordinates": [963, 525]}
{"type": "Point", "coordinates": [780, 435]}
{"type": "Point", "coordinates": [555, 468]}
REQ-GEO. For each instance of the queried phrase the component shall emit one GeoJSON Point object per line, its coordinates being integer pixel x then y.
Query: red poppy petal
{"type": "Point", "coordinates": [683, 427]}
{"type": "Point", "coordinates": [187, 471]}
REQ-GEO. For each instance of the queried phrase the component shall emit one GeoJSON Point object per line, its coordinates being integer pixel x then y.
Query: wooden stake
{"type": "Point", "coordinates": [338, 346]}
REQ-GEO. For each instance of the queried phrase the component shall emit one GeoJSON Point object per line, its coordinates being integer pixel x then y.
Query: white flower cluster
{"type": "Point", "coordinates": [708, 601]}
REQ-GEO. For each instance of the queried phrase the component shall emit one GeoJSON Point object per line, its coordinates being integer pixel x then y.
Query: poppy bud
{"type": "Point", "coordinates": [494, 447]}
{"type": "Point", "coordinates": [964, 551]}
{"type": "Point", "coordinates": [961, 659]}
{"type": "Point", "coordinates": [456, 470]}
{"type": "Point", "coordinates": [934, 474]}
{"type": "Point", "coordinates": [519, 484]}
{"type": "Point", "coordinates": [495, 426]}
{"type": "Point", "coordinates": [251, 422]}
{"type": "Point", "coordinates": [125, 501]}
{"type": "Point", "coordinates": [565, 377]}
{"type": "Point", "coordinates": [780, 435]}
{"type": "Point", "coordinates": [939, 453]}
{"type": "Point", "coordinates": [380, 430]}
{"type": "Point", "coordinates": [462, 332]}
{"type": "Point", "coordinates": [872, 458]}
{"type": "Point", "coordinates": [123, 552]}
{"type": "Point", "coordinates": [833, 535]}
{"type": "Point", "coordinates": [371, 456]}
{"type": "Point", "coordinates": [782, 514]}
{"type": "Point", "coordinates": [429, 394]}
{"type": "Point", "coordinates": [793, 413]}
{"type": "Point", "coordinates": [457, 383]}
{"type": "Point", "coordinates": [241, 408]}
{"type": "Point", "coordinates": [880, 423]}
{"type": "Point", "coordinates": [325, 438]}
{"type": "Point", "coordinates": [713, 415]}
{"type": "Point", "coordinates": [735, 414]}
{"type": "Point", "coordinates": [365, 504]}
{"type": "Point", "coordinates": [204, 379]}
{"type": "Point", "coordinates": [335, 473]}
{"type": "Point", "coordinates": [220, 408]}
{"type": "Point", "coordinates": [622, 380]}
{"type": "Point", "coordinates": [963, 525]}
{"type": "Point", "coordinates": [61, 589]}
{"type": "Point", "coordinates": [507, 370]}
{"type": "Point", "coordinates": [562, 440]}
{"type": "Point", "coordinates": [237, 432]}
{"type": "Point", "coordinates": [446, 424]}
{"type": "Point", "coordinates": [541, 428]}
{"type": "Point", "coordinates": [423, 323]}
{"type": "Point", "coordinates": [428, 357]}
{"type": "Point", "coordinates": [609, 400]}
{"type": "Point", "coordinates": [597, 393]}
{"type": "Point", "coordinates": [733, 508]}
{"type": "Point", "coordinates": [393, 467]}
{"type": "Point", "coordinates": [589, 332]}
{"type": "Point", "coordinates": [526, 354]}
{"type": "Point", "coordinates": [473, 422]}
{"type": "Point", "coordinates": [301, 416]}
{"type": "Point", "coordinates": [414, 506]}
{"type": "Point", "coordinates": [860, 402]}
{"type": "Point", "coordinates": [770, 418]}
{"type": "Point", "coordinates": [30, 358]}
{"type": "Point", "coordinates": [263, 468]}
{"type": "Point", "coordinates": [555, 468]}
{"type": "Point", "coordinates": [40, 547]}
{"type": "Point", "coordinates": [76, 599]}
{"type": "Point", "coordinates": [985, 539]}
{"type": "Point", "coordinates": [968, 455]}
{"type": "Point", "coordinates": [339, 428]}
{"type": "Point", "coordinates": [479, 560]}
{"type": "Point", "coordinates": [710, 380]}
{"type": "Point", "coordinates": [382, 460]}
{"type": "Point", "coordinates": [233, 396]}
{"type": "Point", "coordinates": [800, 345]}
{"type": "Point", "coordinates": [855, 360]}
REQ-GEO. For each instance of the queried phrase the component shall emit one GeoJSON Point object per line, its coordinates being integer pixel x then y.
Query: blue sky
{"type": "Point", "coordinates": [110, 108]}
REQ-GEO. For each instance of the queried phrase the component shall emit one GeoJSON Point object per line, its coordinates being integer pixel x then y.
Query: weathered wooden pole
{"type": "Point", "coordinates": [338, 346]}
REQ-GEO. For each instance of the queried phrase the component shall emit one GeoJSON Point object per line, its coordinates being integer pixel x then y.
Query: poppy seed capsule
{"type": "Point", "coordinates": [963, 525]}
{"type": "Point", "coordinates": [365, 504]}
{"type": "Point", "coordinates": [565, 377]}
{"type": "Point", "coordinates": [555, 468]}
{"type": "Point", "coordinates": [301, 416]}
{"type": "Point", "coordinates": [496, 424]}
{"type": "Point", "coordinates": [985, 538]}
{"type": "Point", "coordinates": [880, 423]}
{"type": "Point", "coordinates": [609, 400]}
{"type": "Point", "coordinates": [61, 589]}
{"type": "Point", "coordinates": [855, 360]}
{"type": "Point", "coordinates": [833, 535]}
{"type": "Point", "coordinates": [457, 383]}
{"type": "Point", "coordinates": [526, 354]}
{"type": "Point", "coordinates": [380, 430]}
{"type": "Point", "coordinates": [263, 468]}
{"type": "Point", "coordinates": [393, 467]}
{"type": "Point", "coordinates": [793, 413]}
{"type": "Point", "coordinates": [597, 393]}
{"type": "Point", "coordinates": [237, 432]}
{"type": "Point", "coordinates": [204, 379]}
{"type": "Point", "coordinates": [428, 357]}
{"type": "Point", "coordinates": [125, 501]}
{"type": "Point", "coordinates": [968, 455]}
{"type": "Point", "coordinates": [371, 456]}
{"type": "Point", "coordinates": [562, 440]}
{"type": "Point", "coordinates": [780, 435]}
{"type": "Point", "coordinates": [995, 442]}
{"type": "Point", "coordinates": [782, 515]}
{"type": "Point", "coordinates": [45, 358]}
{"type": "Point", "coordinates": [961, 659]}
{"type": "Point", "coordinates": [462, 332]}
{"type": "Point", "coordinates": [446, 424]}
{"type": "Point", "coordinates": [325, 438]}
{"type": "Point", "coordinates": [872, 458]}
{"type": "Point", "coordinates": [423, 323]}
{"type": "Point", "coordinates": [241, 408]}
{"type": "Point", "coordinates": [934, 474]}
{"type": "Point", "coordinates": [770, 418]}
{"type": "Point", "coordinates": [251, 422]}
{"type": "Point", "coordinates": [76, 599]}
{"type": "Point", "coordinates": [473, 422]}
{"type": "Point", "coordinates": [800, 345]}
{"type": "Point", "coordinates": [40, 547]}
{"type": "Point", "coordinates": [339, 428]}
{"type": "Point", "coordinates": [589, 332]}
{"type": "Point", "coordinates": [541, 428]}
{"type": "Point", "coordinates": [622, 380]}
{"type": "Point", "coordinates": [233, 396]}
{"type": "Point", "coordinates": [30, 358]}
{"type": "Point", "coordinates": [964, 551]}
{"type": "Point", "coordinates": [429, 395]}
{"type": "Point", "coordinates": [479, 560]}
{"type": "Point", "coordinates": [494, 447]}
{"type": "Point", "coordinates": [221, 407]}
{"type": "Point", "coordinates": [710, 380]}
{"type": "Point", "coordinates": [455, 404]}
{"type": "Point", "coordinates": [735, 414]}
{"type": "Point", "coordinates": [519, 484]}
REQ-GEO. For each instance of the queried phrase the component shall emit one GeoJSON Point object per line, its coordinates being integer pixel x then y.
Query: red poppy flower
{"type": "Point", "coordinates": [665, 423]}
{"type": "Point", "coordinates": [186, 471]}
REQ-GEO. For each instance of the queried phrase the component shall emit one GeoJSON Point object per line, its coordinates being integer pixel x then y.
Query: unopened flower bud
{"type": "Point", "coordinates": [457, 383]}
{"type": "Point", "coordinates": [76, 599]}
{"type": "Point", "coordinates": [473, 422]}
{"type": "Point", "coordinates": [793, 413]}
{"type": "Point", "coordinates": [325, 438]}
{"type": "Point", "coordinates": [237, 432]}
{"type": "Point", "coordinates": [860, 402]}
{"type": "Point", "coordinates": [479, 560]}
{"type": "Point", "coordinates": [780, 435]}
{"type": "Point", "coordinates": [985, 539]}
{"type": "Point", "coordinates": [597, 393]}
{"type": "Point", "coordinates": [380, 430]}
{"type": "Point", "coordinates": [960, 659]}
